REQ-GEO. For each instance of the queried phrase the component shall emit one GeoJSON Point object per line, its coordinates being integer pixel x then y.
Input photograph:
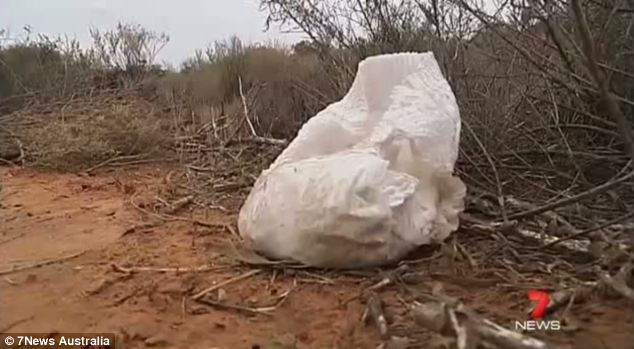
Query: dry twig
{"type": "Point", "coordinates": [40, 264]}
{"type": "Point", "coordinates": [246, 275]}
{"type": "Point", "coordinates": [201, 269]}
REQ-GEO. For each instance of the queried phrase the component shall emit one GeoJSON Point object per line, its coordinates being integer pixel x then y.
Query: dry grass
{"type": "Point", "coordinates": [79, 133]}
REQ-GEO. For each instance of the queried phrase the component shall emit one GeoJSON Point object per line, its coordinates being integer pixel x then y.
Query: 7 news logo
{"type": "Point", "coordinates": [541, 300]}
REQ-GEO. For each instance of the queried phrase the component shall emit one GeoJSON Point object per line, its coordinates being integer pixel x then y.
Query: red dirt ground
{"type": "Point", "coordinates": [48, 216]}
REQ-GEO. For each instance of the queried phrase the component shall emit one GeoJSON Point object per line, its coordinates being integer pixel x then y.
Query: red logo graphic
{"type": "Point", "coordinates": [542, 300]}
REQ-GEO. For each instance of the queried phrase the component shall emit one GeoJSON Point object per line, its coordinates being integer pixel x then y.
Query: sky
{"type": "Point", "coordinates": [191, 24]}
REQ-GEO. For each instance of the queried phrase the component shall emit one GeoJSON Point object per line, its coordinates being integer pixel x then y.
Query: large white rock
{"type": "Point", "coordinates": [369, 178]}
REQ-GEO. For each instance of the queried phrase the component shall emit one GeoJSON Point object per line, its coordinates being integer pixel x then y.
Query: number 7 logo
{"type": "Point", "coordinates": [542, 300]}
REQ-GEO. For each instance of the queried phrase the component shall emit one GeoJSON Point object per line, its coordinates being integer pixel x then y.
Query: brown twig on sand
{"type": "Point", "coordinates": [201, 269]}
{"type": "Point", "coordinates": [40, 264]}
{"type": "Point", "coordinates": [178, 204]}
{"type": "Point", "coordinates": [139, 227]}
{"type": "Point", "coordinates": [249, 310]}
{"type": "Point", "coordinates": [246, 275]}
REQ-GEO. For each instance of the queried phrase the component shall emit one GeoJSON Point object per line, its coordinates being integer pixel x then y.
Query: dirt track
{"type": "Point", "coordinates": [50, 216]}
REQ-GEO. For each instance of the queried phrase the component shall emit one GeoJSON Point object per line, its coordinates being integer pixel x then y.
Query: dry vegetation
{"type": "Point", "coordinates": [546, 91]}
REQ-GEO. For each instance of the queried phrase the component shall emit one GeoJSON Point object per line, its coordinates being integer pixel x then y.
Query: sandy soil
{"type": "Point", "coordinates": [47, 217]}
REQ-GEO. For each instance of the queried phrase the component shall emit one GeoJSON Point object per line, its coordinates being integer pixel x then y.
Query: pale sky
{"type": "Point", "coordinates": [191, 24]}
